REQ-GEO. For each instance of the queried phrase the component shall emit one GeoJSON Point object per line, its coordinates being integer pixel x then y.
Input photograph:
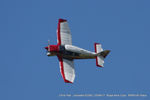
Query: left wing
{"type": "Point", "coordinates": [63, 33]}
{"type": "Point", "coordinates": [67, 69]}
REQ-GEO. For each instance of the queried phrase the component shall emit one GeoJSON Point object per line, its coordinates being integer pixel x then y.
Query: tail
{"type": "Point", "coordinates": [101, 54]}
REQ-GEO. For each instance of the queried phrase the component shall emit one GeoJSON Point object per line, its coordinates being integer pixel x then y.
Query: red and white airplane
{"type": "Point", "coordinates": [66, 52]}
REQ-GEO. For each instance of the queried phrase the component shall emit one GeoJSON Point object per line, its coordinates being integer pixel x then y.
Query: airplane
{"type": "Point", "coordinates": [66, 52]}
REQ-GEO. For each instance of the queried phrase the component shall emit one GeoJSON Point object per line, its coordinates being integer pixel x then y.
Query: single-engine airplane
{"type": "Point", "coordinates": [66, 52]}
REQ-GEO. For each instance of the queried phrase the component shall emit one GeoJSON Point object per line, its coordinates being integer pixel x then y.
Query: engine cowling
{"type": "Point", "coordinates": [52, 50]}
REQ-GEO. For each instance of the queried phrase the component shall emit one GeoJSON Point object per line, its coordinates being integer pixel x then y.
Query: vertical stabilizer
{"type": "Point", "coordinates": [101, 54]}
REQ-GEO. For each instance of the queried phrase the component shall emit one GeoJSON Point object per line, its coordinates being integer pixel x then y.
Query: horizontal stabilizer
{"type": "Point", "coordinates": [104, 53]}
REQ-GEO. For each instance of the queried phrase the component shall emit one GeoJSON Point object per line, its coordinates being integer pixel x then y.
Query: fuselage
{"type": "Point", "coordinates": [70, 51]}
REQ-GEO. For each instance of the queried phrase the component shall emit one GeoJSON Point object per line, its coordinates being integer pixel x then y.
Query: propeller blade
{"type": "Point", "coordinates": [48, 45]}
{"type": "Point", "coordinates": [48, 42]}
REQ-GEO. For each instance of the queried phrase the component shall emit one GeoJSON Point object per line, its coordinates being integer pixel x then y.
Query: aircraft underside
{"type": "Point", "coordinates": [74, 55]}
{"type": "Point", "coordinates": [66, 52]}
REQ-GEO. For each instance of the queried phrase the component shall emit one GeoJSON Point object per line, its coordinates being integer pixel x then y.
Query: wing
{"type": "Point", "coordinates": [63, 33]}
{"type": "Point", "coordinates": [67, 69]}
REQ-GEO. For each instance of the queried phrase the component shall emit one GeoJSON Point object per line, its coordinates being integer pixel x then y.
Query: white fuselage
{"type": "Point", "coordinates": [73, 52]}
{"type": "Point", "coordinates": [82, 53]}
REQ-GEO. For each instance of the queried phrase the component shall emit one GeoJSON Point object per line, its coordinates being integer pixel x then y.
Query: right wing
{"type": "Point", "coordinates": [63, 33]}
{"type": "Point", "coordinates": [67, 69]}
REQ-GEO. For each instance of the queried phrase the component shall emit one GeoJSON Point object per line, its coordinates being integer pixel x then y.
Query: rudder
{"type": "Point", "coordinates": [101, 54]}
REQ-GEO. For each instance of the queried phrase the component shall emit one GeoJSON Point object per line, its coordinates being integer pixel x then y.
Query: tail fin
{"type": "Point", "coordinates": [101, 54]}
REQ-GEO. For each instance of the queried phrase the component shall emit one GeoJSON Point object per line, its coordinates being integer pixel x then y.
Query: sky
{"type": "Point", "coordinates": [122, 26]}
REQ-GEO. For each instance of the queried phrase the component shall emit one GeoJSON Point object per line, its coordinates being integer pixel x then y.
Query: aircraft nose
{"type": "Point", "coordinates": [46, 48]}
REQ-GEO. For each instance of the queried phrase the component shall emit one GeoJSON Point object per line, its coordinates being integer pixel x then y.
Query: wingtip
{"type": "Point", "coordinates": [99, 66]}
{"type": "Point", "coordinates": [96, 43]}
{"type": "Point", "coordinates": [62, 20]}
{"type": "Point", "coordinates": [66, 81]}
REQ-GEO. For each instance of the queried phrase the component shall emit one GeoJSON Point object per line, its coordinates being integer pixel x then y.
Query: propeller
{"type": "Point", "coordinates": [48, 45]}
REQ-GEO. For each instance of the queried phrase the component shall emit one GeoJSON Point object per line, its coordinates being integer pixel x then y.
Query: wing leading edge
{"type": "Point", "coordinates": [63, 33]}
{"type": "Point", "coordinates": [67, 69]}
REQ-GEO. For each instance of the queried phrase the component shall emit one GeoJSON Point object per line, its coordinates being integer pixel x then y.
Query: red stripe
{"type": "Point", "coordinates": [62, 69]}
{"type": "Point", "coordinates": [58, 30]}
{"type": "Point", "coordinates": [58, 33]}
{"type": "Point", "coordinates": [96, 56]}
